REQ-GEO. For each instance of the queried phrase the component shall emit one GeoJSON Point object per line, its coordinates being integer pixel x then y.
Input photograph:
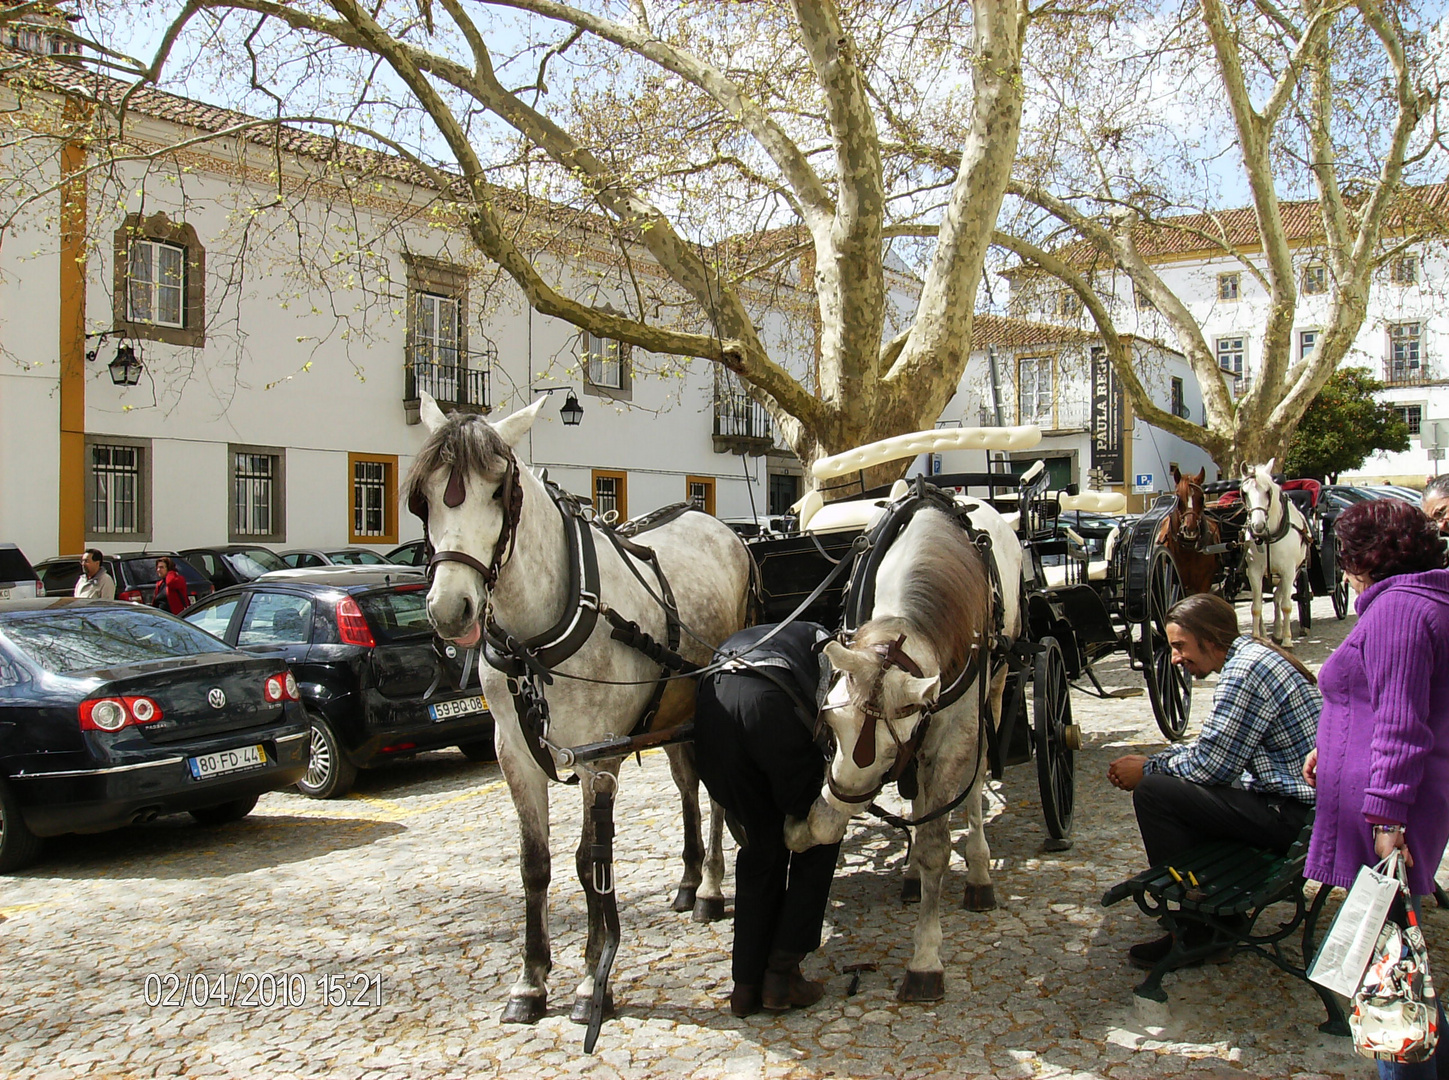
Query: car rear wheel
{"type": "Point", "coordinates": [225, 813]}
{"type": "Point", "coordinates": [329, 773]}
{"type": "Point", "coordinates": [19, 847]}
{"type": "Point", "coordinates": [482, 750]}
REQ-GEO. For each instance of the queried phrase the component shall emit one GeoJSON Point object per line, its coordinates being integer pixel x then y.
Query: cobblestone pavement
{"type": "Point", "coordinates": [409, 890]}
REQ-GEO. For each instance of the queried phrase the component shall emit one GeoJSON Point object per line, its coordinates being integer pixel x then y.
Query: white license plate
{"type": "Point", "coordinates": [446, 710]}
{"type": "Point", "coordinates": [4, 594]}
{"type": "Point", "coordinates": [227, 761]}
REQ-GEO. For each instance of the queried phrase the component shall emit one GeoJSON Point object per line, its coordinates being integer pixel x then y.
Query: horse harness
{"type": "Point", "coordinates": [528, 664]}
{"type": "Point", "coordinates": [1283, 527]}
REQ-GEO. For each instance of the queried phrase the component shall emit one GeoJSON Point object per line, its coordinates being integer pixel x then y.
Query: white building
{"type": "Point", "coordinates": [1407, 316]}
{"type": "Point", "coordinates": [1059, 378]}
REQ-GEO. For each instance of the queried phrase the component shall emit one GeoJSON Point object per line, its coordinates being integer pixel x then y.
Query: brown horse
{"type": "Point", "coordinates": [1187, 531]}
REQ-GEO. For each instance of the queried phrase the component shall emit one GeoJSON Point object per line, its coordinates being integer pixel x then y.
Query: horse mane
{"type": "Point", "coordinates": [464, 442]}
{"type": "Point", "coordinates": [946, 599]}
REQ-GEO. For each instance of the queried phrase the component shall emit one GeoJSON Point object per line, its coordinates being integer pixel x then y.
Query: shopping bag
{"type": "Point", "coordinates": [1395, 1015]}
{"type": "Point", "coordinates": [1349, 944]}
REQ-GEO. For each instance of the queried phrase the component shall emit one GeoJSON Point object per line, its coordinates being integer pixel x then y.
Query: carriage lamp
{"type": "Point", "coordinates": [572, 412]}
{"type": "Point", "coordinates": [126, 367]}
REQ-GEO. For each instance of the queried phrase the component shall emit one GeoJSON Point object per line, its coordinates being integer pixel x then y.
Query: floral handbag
{"type": "Point", "coordinates": [1395, 1014]}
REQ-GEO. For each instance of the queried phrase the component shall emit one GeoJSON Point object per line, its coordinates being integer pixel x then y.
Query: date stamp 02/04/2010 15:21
{"type": "Point", "coordinates": [262, 990]}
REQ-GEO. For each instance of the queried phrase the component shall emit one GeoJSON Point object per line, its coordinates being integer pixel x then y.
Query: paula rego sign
{"type": "Point", "coordinates": [1108, 405]}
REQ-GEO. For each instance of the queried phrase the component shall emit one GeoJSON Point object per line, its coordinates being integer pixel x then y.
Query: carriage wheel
{"type": "Point", "coordinates": [1055, 738]}
{"type": "Point", "coordinates": [1340, 593]}
{"type": "Point", "coordinates": [1305, 600]}
{"type": "Point", "coordinates": [1168, 686]}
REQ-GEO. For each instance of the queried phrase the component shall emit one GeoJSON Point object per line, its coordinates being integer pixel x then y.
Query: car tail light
{"type": "Point", "coordinates": [281, 687]}
{"type": "Point", "coordinates": [352, 628]}
{"type": "Point", "coordinates": [133, 595]}
{"type": "Point", "coordinates": [114, 713]}
{"type": "Point", "coordinates": [397, 748]}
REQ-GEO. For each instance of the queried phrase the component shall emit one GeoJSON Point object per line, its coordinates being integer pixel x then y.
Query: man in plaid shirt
{"type": "Point", "coordinates": [1242, 779]}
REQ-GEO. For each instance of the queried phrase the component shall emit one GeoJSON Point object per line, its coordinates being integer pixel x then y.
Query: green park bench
{"type": "Point", "coordinates": [1236, 885]}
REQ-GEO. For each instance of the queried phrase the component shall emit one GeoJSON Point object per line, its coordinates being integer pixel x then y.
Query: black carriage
{"type": "Point", "coordinates": [1077, 609]}
{"type": "Point", "coordinates": [1321, 575]}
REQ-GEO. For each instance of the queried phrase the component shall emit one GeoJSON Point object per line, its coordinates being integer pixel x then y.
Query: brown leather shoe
{"type": "Point", "coordinates": [745, 999]}
{"type": "Point", "coordinates": [786, 990]}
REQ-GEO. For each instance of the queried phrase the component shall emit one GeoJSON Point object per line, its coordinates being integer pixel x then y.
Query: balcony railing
{"type": "Point", "coordinates": [741, 424]}
{"type": "Point", "coordinates": [1407, 373]}
{"type": "Point", "coordinates": [457, 381]}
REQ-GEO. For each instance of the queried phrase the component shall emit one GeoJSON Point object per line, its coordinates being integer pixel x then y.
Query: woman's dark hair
{"type": "Point", "coordinates": [1214, 622]}
{"type": "Point", "coordinates": [1382, 538]}
{"type": "Point", "coordinates": [170, 564]}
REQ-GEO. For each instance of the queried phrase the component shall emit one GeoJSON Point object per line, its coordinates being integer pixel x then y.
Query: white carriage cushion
{"type": "Point", "coordinates": [806, 506]}
{"type": "Point", "coordinates": [1013, 519]}
{"type": "Point", "coordinates": [854, 514]}
{"type": "Point", "coordinates": [1095, 502]}
{"type": "Point", "coordinates": [930, 441]}
{"type": "Point", "coordinates": [1057, 575]}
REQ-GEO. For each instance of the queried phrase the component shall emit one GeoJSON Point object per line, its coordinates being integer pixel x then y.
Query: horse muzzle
{"type": "Point", "coordinates": [456, 614]}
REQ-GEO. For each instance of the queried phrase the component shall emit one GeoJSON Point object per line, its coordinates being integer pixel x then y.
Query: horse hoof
{"type": "Point", "coordinates": [911, 890]}
{"type": "Point", "coordinates": [525, 1010]}
{"type": "Point", "coordinates": [979, 897]}
{"type": "Point", "coordinates": [683, 899]}
{"type": "Point", "coordinates": [709, 909]}
{"type": "Point", "coordinates": [922, 986]}
{"type": "Point", "coordinates": [580, 1012]}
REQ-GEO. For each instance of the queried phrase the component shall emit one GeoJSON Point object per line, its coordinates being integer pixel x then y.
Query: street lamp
{"type": "Point", "coordinates": [126, 367]}
{"type": "Point", "coordinates": [572, 412]}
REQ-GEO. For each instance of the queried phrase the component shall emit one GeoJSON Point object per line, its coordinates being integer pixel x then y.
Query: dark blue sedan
{"type": "Point", "coordinates": [112, 714]}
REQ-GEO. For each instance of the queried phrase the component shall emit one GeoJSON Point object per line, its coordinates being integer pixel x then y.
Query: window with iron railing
{"type": "Point", "coordinates": [736, 414]}
{"type": "Point", "coordinates": [1412, 416]}
{"type": "Point", "coordinates": [1405, 360]}
{"type": "Point", "coordinates": [254, 480]}
{"type": "Point", "coordinates": [116, 503]}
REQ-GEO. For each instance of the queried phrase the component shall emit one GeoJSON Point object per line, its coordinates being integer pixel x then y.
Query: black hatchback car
{"type": "Point", "coordinates": [233, 565]}
{"type": "Point", "coordinates": [376, 683]}
{"type": "Point", "coordinates": [112, 714]}
{"type": "Point", "coordinates": [134, 573]}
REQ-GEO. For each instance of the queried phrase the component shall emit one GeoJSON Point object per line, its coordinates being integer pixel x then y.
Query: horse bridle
{"type": "Point", "coordinates": [1195, 535]}
{"type": "Point", "coordinates": [863, 754]}
{"type": "Point", "coordinates": [510, 493]}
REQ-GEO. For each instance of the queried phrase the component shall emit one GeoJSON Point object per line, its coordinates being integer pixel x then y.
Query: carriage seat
{"type": "Point", "coordinates": [1312, 487]}
{"type": "Point", "coordinates": [847, 515]}
{"type": "Point", "coordinates": [1095, 502]}
{"type": "Point", "coordinates": [1057, 576]}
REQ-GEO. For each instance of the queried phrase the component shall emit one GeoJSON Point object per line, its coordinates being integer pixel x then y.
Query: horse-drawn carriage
{"type": "Point", "coordinates": [957, 597]}
{"type": "Point", "coordinates": [1079, 605]}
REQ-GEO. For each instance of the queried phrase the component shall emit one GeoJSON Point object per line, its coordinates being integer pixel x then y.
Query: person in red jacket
{"type": "Point", "coordinates": [170, 587]}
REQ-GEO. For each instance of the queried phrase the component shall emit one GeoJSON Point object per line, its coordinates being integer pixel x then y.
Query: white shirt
{"type": "Point", "coordinates": [100, 587]}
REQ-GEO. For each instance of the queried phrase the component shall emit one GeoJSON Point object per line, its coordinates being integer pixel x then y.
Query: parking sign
{"type": "Point", "coordinates": [1142, 484]}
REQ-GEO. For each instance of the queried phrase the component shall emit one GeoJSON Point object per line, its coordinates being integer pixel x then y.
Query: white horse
{"type": "Point", "coordinates": [478, 499]}
{"type": "Point", "coordinates": [932, 623]}
{"type": "Point", "coordinates": [1276, 543]}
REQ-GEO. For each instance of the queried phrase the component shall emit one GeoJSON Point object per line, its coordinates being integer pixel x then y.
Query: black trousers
{"type": "Point", "coordinates": [1174, 815]}
{"type": "Point", "coordinates": [758, 761]}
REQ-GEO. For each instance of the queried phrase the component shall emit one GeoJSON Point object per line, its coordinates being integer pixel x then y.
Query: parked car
{"type": "Point", "coordinates": [1092, 527]}
{"type": "Point", "coordinates": [413, 553]}
{"type": "Point", "coordinates": [348, 556]}
{"type": "Point", "coordinates": [112, 714]}
{"type": "Point", "coordinates": [235, 564]}
{"type": "Point", "coordinates": [765, 527]}
{"type": "Point", "coordinates": [134, 573]}
{"type": "Point", "coordinates": [18, 579]}
{"type": "Point", "coordinates": [376, 683]}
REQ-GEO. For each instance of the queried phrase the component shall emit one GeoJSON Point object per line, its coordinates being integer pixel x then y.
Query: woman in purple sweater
{"type": "Point", "coordinates": [1381, 766]}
